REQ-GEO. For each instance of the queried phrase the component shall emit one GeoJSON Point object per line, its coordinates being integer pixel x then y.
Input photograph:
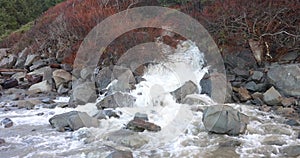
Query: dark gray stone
{"type": "Point", "coordinates": [272, 97]}
{"type": "Point", "coordinates": [8, 62]}
{"type": "Point", "coordinates": [292, 122]}
{"type": "Point", "coordinates": [84, 93]}
{"type": "Point", "coordinates": [141, 116]}
{"type": "Point", "coordinates": [139, 125]}
{"type": "Point", "coordinates": [291, 151]}
{"type": "Point", "coordinates": [7, 123]}
{"type": "Point", "coordinates": [115, 100]}
{"type": "Point", "coordinates": [72, 121]}
{"type": "Point", "coordinates": [186, 89]}
{"type": "Point", "coordinates": [2, 141]}
{"type": "Point", "coordinates": [205, 85]}
{"type": "Point", "coordinates": [223, 119]}
{"type": "Point", "coordinates": [257, 75]}
{"type": "Point", "coordinates": [286, 78]}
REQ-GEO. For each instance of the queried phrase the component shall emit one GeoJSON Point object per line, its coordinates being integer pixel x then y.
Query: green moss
{"type": "Point", "coordinates": [22, 29]}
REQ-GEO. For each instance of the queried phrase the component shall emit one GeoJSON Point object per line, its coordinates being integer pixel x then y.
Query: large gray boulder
{"type": "Point", "coordinates": [115, 100]}
{"type": "Point", "coordinates": [72, 121]}
{"type": "Point", "coordinates": [84, 93]}
{"type": "Point", "coordinates": [186, 89]}
{"type": "Point", "coordinates": [223, 119]}
{"type": "Point", "coordinates": [286, 78]}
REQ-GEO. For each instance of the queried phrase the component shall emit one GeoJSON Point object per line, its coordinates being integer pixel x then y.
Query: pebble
{"type": "Point", "coordinates": [7, 123]}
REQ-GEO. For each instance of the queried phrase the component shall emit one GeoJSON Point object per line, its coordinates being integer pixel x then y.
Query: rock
{"type": "Point", "coordinates": [3, 52]}
{"type": "Point", "coordinates": [43, 86]}
{"type": "Point", "coordinates": [257, 50]}
{"type": "Point", "coordinates": [286, 78]}
{"type": "Point", "coordinates": [10, 83]}
{"type": "Point", "coordinates": [141, 116]}
{"type": "Point", "coordinates": [292, 122]}
{"type": "Point", "coordinates": [272, 97]}
{"type": "Point", "coordinates": [205, 84]}
{"type": "Point", "coordinates": [251, 86]}
{"type": "Point", "coordinates": [274, 140]}
{"type": "Point", "coordinates": [265, 108]}
{"type": "Point", "coordinates": [120, 154]}
{"type": "Point", "coordinates": [291, 151]}
{"type": "Point", "coordinates": [8, 62]}
{"type": "Point", "coordinates": [67, 67]}
{"type": "Point", "coordinates": [257, 75]}
{"type": "Point", "coordinates": [241, 72]}
{"type": "Point", "coordinates": [2, 141]}
{"type": "Point", "coordinates": [37, 64]}
{"type": "Point", "coordinates": [72, 121]}
{"type": "Point", "coordinates": [87, 73]}
{"type": "Point", "coordinates": [115, 100]}
{"type": "Point", "coordinates": [33, 79]}
{"type": "Point", "coordinates": [139, 125]}
{"type": "Point", "coordinates": [124, 77]}
{"type": "Point", "coordinates": [298, 135]}
{"type": "Point", "coordinates": [108, 113]}
{"type": "Point", "coordinates": [30, 59]}
{"type": "Point", "coordinates": [186, 89]}
{"type": "Point", "coordinates": [84, 93]}
{"type": "Point", "coordinates": [196, 99]}
{"type": "Point", "coordinates": [288, 101]}
{"type": "Point", "coordinates": [127, 138]}
{"type": "Point", "coordinates": [7, 123]}
{"type": "Point", "coordinates": [24, 104]}
{"type": "Point", "coordinates": [103, 78]}
{"type": "Point", "coordinates": [223, 119]}
{"type": "Point", "coordinates": [243, 94]}
{"type": "Point", "coordinates": [230, 143]}
{"type": "Point", "coordinates": [61, 76]}
{"type": "Point", "coordinates": [62, 89]}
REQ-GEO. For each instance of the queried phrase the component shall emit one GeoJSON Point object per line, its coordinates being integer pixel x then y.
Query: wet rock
{"type": "Point", "coordinates": [72, 121]}
{"type": "Point", "coordinates": [124, 78]}
{"type": "Point", "coordinates": [10, 83]}
{"type": "Point", "coordinates": [43, 86]}
{"type": "Point", "coordinates": [84, 93]}
{"type": "Point", "coordinates": [224, 119]}
{"type": "Point", "coordinates": [7, 123]}
{"type": "Point", "coordinates": [47, 101]}
{"type": "Point", "coordinates": [272, 97]}
{"type": "Point", "coordinates": [37, 64]}
{"type": "Point", "coordinates": [298, 135]}
{"type": "Point", "coordinates": [292, 122]}
{"type": "Point", "coordinates": [186, 89]}
{"type": "Point", "coordinates": [139, 125]}
{"type": "Point", "coordinates": [8, 62]}
{"type": "Point", "coordinates": [286, 111]}
{"type": "Point", "coordinates": [205, 84]}
{"type": "Point", "coordinates": [120, 154]}
{"type": "Point", "coordinates": [108, 113]}
{"type": "Point", "coordinates": [196, 99]}
{"type": "Point", "coordinates": [274, 140]}
{"type": "Point", "coordinates": [230, 143]}
{"type": "Point", "coordinates": [24, 104]}
{"type": "Point", "coordinates": [141, 116]}
{"type": "Point", "coordinates": [61, 76]}
{"type": "Point", "coordinates": [288, 101]}
{"type": "Point", "coordinates": [115, 100]}
{"type": "Point", "coordinates": [291, 151]}
{"type": "Point", "coordinates": [286, 78]}
{"type": "Point", "coordinates": [62, 89]}
{"type": "Point", "coordinates": [257, 75]}
{"type": "Point", "coordinates": [127, 138]}
{"type": "Point", "coordinates": [33, 79]}
{"type": "Point", "coordinates": [2, 141]}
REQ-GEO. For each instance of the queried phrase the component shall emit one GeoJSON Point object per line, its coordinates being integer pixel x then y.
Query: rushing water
{"type": "Point", "coordinates": [182, 134]}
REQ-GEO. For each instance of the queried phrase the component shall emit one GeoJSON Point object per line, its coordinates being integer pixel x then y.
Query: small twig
{"type": "Point", "coordinates": [280, 32]}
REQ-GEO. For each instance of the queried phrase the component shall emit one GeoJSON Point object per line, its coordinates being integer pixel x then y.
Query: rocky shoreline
{"type": "Point", "coordinates": [272, 87]}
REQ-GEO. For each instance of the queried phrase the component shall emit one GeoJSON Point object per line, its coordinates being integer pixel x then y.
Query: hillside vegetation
{"type": "Point", "coordinates": [232, 23]}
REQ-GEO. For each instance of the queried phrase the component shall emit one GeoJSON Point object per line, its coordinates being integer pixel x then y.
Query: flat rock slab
{"type": "Point", "coordinates": [72, 121]}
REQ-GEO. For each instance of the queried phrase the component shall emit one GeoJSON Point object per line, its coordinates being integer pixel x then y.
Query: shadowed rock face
{"type": "Point", "coordinates": [186, 89]}
{"type": "Point", "coordinates": [286, 78]}
{"type": "Point", "coordinates": [224, 119]}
